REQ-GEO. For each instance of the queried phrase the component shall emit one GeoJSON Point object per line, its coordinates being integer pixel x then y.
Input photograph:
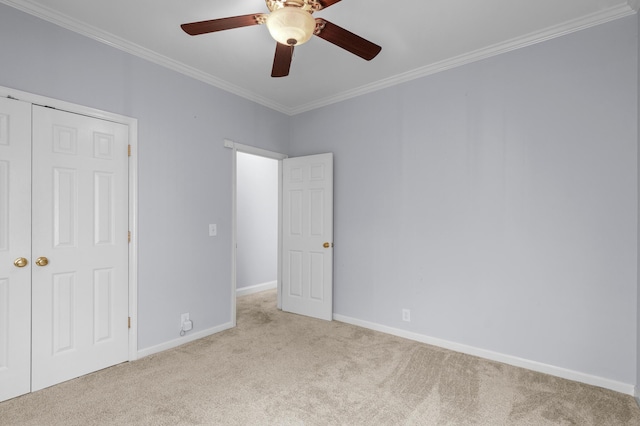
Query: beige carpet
{"type": "Point", "coordinates": [282, 369]}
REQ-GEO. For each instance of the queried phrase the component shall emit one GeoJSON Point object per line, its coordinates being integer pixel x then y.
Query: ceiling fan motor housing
{"type": "Point", "coordinates": [310, 5]}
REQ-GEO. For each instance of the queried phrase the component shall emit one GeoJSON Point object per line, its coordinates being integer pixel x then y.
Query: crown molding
{"type": "Point", "coordinates": [112, 40]}
{"type": "Point", "coordinates": [569, 27]}
{"type": "Point", "coordinates": [631, 7]}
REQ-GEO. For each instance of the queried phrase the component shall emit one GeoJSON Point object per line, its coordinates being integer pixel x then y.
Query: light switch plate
{"type": "Point", "coordinates": [406, 315]}
{"type": "Point", "coordinates": [213, 230]}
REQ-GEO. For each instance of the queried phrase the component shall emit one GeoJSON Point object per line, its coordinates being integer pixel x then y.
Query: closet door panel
{"type": "Point", "coordinates": [15, 248]}
{"type": "Point", "coordinates": [80, 294]}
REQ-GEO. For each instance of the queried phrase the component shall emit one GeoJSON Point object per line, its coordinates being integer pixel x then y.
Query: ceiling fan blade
{"type": "Point", "coordinates": [282, 60]}
{"type": "Point", "coordinates": [204, 27]}
{"type": "Point", "coordinates": [326, 3]}
{"type": "Point", "coordinates": [347, 40]}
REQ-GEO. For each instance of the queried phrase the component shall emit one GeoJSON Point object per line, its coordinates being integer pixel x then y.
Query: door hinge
{"type": "Point", "coordinates": [129, 150]}
{"type": "Point", "coordinates": [129, 236]}
{"type": "Point", "coordinates": [129, 322]}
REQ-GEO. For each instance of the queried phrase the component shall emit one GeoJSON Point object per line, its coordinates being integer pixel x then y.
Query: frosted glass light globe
{"type": "Point", "coordinates": [291, 25]}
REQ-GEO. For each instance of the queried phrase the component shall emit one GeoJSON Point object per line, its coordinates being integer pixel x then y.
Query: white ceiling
{"type": "Point", "coordinates": [418, 37]}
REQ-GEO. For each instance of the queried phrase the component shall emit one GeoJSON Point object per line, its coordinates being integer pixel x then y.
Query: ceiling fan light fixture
{"type": "Point", "coordinates": [291, 25]}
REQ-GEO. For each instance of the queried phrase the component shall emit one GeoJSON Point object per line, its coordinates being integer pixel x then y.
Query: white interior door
{"type": "Point", "coordinates": [15, 246]}
{"type": "Point", "coordinates": [307, 236]}
{"type": "Point", "coordinates": [80, 215]}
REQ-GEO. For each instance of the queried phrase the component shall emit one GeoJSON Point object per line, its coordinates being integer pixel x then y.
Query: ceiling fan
{"type": "Point", "coordinates": [291, 24]}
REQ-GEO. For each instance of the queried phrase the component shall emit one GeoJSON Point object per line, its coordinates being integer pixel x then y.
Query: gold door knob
{"type": "Point", "coordinates": [20, 262]}
{"type": "Point", "coordinates": [326, 245]}
{"type": "Point", "coordinates": [42, 261]}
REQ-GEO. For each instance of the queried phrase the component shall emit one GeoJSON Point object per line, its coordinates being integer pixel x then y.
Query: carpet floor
{"type": "Point", "coordinates": [276, 368]}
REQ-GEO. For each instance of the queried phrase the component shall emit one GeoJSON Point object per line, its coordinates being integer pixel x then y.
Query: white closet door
{"type": "Point", "coordinates": [80, 215]}
{"type": "Point", "coordinates": [15, 248]}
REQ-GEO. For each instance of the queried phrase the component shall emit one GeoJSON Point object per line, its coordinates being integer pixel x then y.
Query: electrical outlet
{"type": "Point", "coordinates": [213, 230]}
{"type": "Point", "coordinates": [406, 315]}
{"type": "Point", "coordinates": [185, 324]}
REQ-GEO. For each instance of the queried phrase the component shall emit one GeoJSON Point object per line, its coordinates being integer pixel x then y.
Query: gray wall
{"type": "Point", "coordinates": [498, 201]}
{"type": "Point", "coordinates": [257, 220]}
{"type": "Point", "coordinates": [184, 171]}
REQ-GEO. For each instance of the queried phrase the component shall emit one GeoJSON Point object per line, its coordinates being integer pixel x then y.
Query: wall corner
{"type": "Point", "coordinates": [634, 4]}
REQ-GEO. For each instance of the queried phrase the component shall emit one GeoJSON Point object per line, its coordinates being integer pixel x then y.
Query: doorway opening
{"type": "Point", "coordinates": [304, 253]}
{"type": "Point", "coordinates": [256, 223]}
{"type": "Point", "coordinates": [257, 220]}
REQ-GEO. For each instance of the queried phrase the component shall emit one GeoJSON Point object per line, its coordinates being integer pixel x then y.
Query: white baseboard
{"type": "Point", "coordinates": [638, 396]}
{"type": "Point", "coordinates": [495, 356]}
{"type": "Point", "coordinates": [256, 288]}
{"type": "Point", "coordinates": [183, 339]}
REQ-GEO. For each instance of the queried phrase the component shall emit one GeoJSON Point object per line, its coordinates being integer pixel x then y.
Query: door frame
{"type": "Point", "coordinates": [247, 149]}
{"type": "Point", "coordinates": [132, 124]}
